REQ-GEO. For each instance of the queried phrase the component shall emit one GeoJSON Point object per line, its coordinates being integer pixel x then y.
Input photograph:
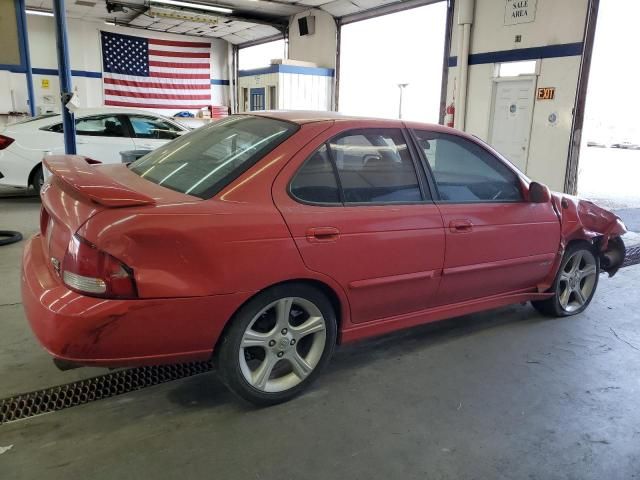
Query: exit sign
{"type": "Point", "coordinates": [546, 93]}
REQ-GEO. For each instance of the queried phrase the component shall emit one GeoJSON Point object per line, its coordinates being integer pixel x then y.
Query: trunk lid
{"type": "Point", "coordinates": [78, 191]}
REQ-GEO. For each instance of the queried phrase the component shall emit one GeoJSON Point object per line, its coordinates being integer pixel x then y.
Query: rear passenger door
{"type": "Point", "coordinates": [360, 212]}
{"type": "Point", "coordinates": [496, 241]}
{"type": "Point", "coordinates": [103, 137]}
{"type": "Point", "coordinates": [150, 132]}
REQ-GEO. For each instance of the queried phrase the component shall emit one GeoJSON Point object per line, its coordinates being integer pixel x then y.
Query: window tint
{"type": "Point", "coordinates": [204, 161]}
{"type": "Point", "coordinates": [375, 167]}
{"type": "Point", "coordinates": [466, 172]}
{"type": "Point", "coordinates": [155, 128]}
{"type": "Point", "coordinates": [102, 126]}
{"type": "Point", "coordinates": [315, 182]}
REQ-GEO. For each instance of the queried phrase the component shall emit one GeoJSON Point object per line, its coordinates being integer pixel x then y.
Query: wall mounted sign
{"type": "Point", "coordinates": [546, 93]}
{"type": "Point", "coordinates": [45, 83]}
{"type": "Point", "coordinates": [519, 11]}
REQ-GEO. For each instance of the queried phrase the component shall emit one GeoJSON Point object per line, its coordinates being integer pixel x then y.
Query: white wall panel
{"type": "Point", "coordinates": [85, 55]}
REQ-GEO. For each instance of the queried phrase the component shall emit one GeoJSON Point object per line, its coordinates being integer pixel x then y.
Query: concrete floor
{"type": "Point", "coordinates": [506, 394]}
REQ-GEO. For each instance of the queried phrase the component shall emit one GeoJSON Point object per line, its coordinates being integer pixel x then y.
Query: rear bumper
{"type": "Point", "coordinates": [115, 333]}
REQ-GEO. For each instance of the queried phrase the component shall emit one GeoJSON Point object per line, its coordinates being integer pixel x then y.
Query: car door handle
{"type": "Point", "coordinates": [460, 226]}
{"type": "Point", "coordinates": [322, 234]}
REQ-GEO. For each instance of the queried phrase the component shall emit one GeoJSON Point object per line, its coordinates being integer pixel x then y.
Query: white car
{"type": "Point", "coordinates": [101, 134]}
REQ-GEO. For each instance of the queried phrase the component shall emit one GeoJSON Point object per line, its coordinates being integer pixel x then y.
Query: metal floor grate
{"type": "Point", "coordinates": [84, 391]}
{"type": "Point", "coordinates": [632, 257]}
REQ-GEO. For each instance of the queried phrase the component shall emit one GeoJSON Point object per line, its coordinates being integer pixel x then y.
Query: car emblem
{"type": "Point", "coordinates": [56, 265]}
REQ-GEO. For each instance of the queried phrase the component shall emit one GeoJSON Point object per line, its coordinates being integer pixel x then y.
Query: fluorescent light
{"type": "Point", "coordinates": [42, 13]}
{"type": "Point", "coordinates": [109, 23]}
{"type": "Point", "coordinates": [195, 6]}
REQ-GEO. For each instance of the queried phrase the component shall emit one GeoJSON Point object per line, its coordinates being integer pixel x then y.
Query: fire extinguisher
{"type": "Point", "coordinates": [450, 113]}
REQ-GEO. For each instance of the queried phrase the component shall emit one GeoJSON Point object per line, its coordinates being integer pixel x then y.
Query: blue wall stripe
{"type": "Point", "coordinates": [13, 68]}
{"type": "Point", "coordinates": [300, 70]}
{"type": "Point", "coordinates": [550, 51]}
{"type": "Point", "coordinates": [76, 73]}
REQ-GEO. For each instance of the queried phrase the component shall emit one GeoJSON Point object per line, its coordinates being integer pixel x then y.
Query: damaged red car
{"type": "Point", "coordinates": [263, 240]}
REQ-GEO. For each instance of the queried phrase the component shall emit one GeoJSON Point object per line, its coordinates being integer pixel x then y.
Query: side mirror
{"type": "Point", "coordinates": [539, 193]}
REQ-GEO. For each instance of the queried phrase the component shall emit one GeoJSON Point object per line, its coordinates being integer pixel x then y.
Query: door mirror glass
{"type": "Point", "coordinates": [539, 193]}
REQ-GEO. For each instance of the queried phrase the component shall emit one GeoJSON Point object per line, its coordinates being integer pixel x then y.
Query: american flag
{"type": "Point", "coordinates": [153, 73]}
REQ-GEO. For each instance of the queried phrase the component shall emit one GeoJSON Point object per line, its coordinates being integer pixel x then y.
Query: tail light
{"type": "Point", "coordinates": [5, 142]}
{"type": "Point", "coordinates": [88, 270]}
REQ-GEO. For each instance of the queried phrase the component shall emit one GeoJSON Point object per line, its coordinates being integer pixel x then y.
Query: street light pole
{"type": "Point", "coordinates": [401, 86]}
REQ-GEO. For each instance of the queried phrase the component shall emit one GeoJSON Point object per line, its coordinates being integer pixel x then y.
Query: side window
{"type": "Point", "coordinates": [375, 166]}
{"type": "Point", "coordinates": [315, 182]}
{"type": "Point", "coordinates": [153, 128]}
{"type": "Point", "coordinates": [102, 126]}
{"type": "Point", "coordinates": [465, 172]}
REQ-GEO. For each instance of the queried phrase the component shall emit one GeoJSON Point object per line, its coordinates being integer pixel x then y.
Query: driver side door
{"type": "Point", "coordinates": [497, 242]}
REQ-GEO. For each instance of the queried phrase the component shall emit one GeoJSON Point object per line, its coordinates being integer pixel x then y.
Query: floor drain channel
{"type": "Point", "coordinates": [84, 391]}
{"type": "Point", "coordinates": [632, 257]}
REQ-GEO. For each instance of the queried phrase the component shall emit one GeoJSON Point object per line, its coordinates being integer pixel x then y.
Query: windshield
{"type": "Point", "coordinates": [204, 161]}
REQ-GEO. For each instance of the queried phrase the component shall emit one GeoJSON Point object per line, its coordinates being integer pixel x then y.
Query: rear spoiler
{"type": "Point", "coordinates": [93, 183]}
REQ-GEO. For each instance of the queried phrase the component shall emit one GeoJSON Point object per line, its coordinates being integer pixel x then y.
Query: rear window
{"type": "Point", "coordinates": [203, 162]}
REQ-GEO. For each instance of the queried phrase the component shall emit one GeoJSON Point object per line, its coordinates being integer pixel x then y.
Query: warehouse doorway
{"type": "Point", "coordinates": [393, 57]}
{"type": "Point", "coordinates": [609, 165]}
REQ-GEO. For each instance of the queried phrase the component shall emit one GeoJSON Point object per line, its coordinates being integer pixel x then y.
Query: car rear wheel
{"type": "Point", "coordinates": [277, 344]}
{"type": "Point", "coordinates": [37, 180]}
{"type": "Point", "coordinates": [575, 283]}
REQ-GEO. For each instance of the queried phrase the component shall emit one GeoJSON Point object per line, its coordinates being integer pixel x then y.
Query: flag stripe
{"type": "Point", "coordinates": [162, 48]}
{"type": "Point", "coordinates": [167, 90]}
{"type": "Point", "coordinates": [174, 43]}
{"type": "Point", "coordinates": [157, 58]}
{"type": "Point", "coordinates": [155, 63]}
{"type": "Point", "coordinates": [165, 81]}
{"type": "Point", "coordinates": [168, 105]}
{"type": "Point", "coordinates": [179, 54]}
{"type": "Point", "coordinates": [168, 96]}
{"type": "Point", "coordinates": [162, 86]}
{"type": "Point", "coordinates": [184, 76]}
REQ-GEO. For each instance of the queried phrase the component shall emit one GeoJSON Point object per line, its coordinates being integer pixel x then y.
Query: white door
{"type": "Point", "coordinates": [103, 137]}
{"type": "Point", "coordinates": [512, 114]}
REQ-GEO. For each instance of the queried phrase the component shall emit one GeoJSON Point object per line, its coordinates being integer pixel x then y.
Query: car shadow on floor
{"type": "Point", "coordinates": [207, 390]}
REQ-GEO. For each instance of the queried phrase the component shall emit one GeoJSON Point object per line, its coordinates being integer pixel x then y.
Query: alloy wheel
{"type": "Point", "coordinates": [577, 280]}
{"type": "Point", "coordinates": [282, 344]}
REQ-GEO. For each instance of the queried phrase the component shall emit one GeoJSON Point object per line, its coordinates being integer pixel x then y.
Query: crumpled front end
{"type": "Point", "coordinates": [584, 220]}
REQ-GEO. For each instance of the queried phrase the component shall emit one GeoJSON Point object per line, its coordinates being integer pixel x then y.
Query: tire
{"type": "Point", "coordinates": [259, 355]}
{"type": "Point", "coordinates": [7, 237]}
{"type": "Point", "coordinates": [37, 180]}
{"type": "Point", "coordinates": [574, 285]}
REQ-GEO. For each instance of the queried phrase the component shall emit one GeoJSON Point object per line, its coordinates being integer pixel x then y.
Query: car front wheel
{"type": "Point", "coordinates": [575, 283]}
{"type": "Point", "coordinates": [277, 344]}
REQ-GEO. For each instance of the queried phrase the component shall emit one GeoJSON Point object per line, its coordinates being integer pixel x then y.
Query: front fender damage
{"type": "Point", "coordinates": [584, 220]}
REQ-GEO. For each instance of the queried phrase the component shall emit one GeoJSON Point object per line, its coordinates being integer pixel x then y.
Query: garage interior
{"type": "Point", "coordinates": [503, 394]}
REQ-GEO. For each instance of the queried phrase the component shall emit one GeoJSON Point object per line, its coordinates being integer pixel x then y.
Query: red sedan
{"type": "Point", "coordinates": [263, 240]}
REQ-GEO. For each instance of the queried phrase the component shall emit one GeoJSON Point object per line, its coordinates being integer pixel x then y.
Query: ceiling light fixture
{"type": "Point", "coordinates": [42, 13]}
{"type": "Point", "coordinates": [195, 6]}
